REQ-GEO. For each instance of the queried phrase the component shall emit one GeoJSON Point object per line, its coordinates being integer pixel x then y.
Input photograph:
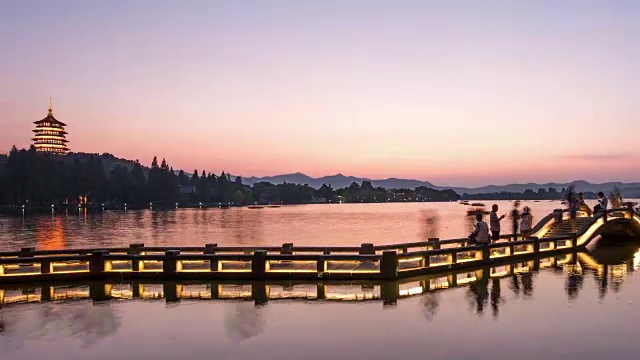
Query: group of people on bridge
{"type": "Point", "coordinates": [522, 223]}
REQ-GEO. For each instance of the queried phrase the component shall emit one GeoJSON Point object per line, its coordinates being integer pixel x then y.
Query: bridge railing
{"type": "Point", "coordinates": [288, 261]}
{"type": "Point", "coordinates": [171, 291]}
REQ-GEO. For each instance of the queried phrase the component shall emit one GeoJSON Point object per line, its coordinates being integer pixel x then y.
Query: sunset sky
{"type": "Point", "coordinates": [460, 93]}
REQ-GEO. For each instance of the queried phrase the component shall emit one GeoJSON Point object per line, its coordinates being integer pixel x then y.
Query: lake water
{"type": "Point", "coordinates": [578, 310]}
{"type": "Point", "coordinates": [334, 225]}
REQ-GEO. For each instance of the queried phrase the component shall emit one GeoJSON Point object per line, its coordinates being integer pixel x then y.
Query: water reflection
{"type": "Point", "coordinates": [243, 321]}
{"type": "Point", "coordinates": [430, 224]}
{"type": "Point", "coordinates": [59, 311]}
{"type": "Point", "coordinates": [69, 319]}
{"type": "Point", "coordinates": [431, 305]}
{"type": "Point", "coordinates": [331, 225]}
{"type": "Point", "coordinates": [51, 238]}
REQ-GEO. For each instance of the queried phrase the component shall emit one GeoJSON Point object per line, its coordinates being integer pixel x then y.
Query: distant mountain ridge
{"type": "Point", "coordinates": [341, 181]}
{"type": "Point", "coordinates": [337, 181]}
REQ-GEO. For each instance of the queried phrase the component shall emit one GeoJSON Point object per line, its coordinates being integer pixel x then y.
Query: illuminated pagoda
{"type": "Point", "coordinates": [50, 135]}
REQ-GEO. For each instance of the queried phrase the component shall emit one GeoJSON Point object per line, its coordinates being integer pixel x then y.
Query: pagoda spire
{"type": "Point", "coordinates": [50, 106]}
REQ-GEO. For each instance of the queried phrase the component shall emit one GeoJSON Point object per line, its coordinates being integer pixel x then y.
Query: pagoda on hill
{"type": "Point", "coordinates": [50, 135]}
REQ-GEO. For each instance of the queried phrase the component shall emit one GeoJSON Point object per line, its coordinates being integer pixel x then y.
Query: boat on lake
{"type": "Point", "coordinates": [477, 210]}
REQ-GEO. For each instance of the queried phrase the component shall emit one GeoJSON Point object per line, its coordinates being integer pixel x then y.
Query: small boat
{"type": "Point", "coordinates": [273, 206]}
{"type": "Point", "coordinates": [477, 204]}
{"type": "Point", "coordinates": [464, 202]}
{"type": "Point", "coordinates": [476, 211]}
{"type": "Point", "coordinates": [255, 206]}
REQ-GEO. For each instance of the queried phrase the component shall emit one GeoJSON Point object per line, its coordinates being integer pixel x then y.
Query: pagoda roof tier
{"type": "Point", "coordinates": [50, 119]}
{"type": "Point", "coordinates": [58, 139]}
{"type": "Point", "coordinates": [58, 131]}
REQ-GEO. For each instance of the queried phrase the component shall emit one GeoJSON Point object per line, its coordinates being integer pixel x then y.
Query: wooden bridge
{"type": "Point", "coordinates": [551, 237]}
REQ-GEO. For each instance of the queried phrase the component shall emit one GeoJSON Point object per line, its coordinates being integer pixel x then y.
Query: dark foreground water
{"type": "Point", "coordinates": [580, 310]}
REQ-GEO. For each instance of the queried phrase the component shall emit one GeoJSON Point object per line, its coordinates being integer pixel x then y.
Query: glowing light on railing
{"type": "Point", "coordinates": [411, 259]}
{"type": "Point", "coordinates": [589, 233]}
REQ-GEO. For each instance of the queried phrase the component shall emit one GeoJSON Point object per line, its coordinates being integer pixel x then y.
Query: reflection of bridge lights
{"type": "Point", "coordinates": [618, 271]}
{"type": "Point", "coordinates": [573, 269]}
{"type": "Point", "coordinates": [413, 291]}
{"type": "Point", "coordinates": [636, 260]}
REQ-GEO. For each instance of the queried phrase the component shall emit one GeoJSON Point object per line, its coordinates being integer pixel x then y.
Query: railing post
{"type": "Point", "coordinates": [486, 253]}
{"type": "Point", "coordinates": [389, 265]}
{"type": "Point", "coordinates": [435, 242]}
{"type": "Point", "coordinates": [170, 263]}
{"type": "Point", "coordinates": [426, 261]}
{"type": "Point", "coordinates": [211, 249]}
{"type": "Point", "coordinates": [367, 249]}
{"type": "Point", "coordinates": [45, 266]}
{"type": "Point", "coordinates": [259, 264]}
{"type": "Point", "coordinates": [135, 249]}
{"type": "Point", "coordinates": [452, 257]}
{"type": "Point", "coordinates": [321, 266]}
{"type": "Point", "coordinates": [26, 252]}
{"type": "Point", "coordinates": [536, 244]}
{"type": "Point", "coordinates": [96, 263]}
{"type": "Point", "coordinates": [287, 249]}
{"type": "Point", "coordinates": [574, 240]}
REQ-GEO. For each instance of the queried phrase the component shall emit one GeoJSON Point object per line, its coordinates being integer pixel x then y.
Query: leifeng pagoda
{"type": "Point", "coordinates": [50, 135]}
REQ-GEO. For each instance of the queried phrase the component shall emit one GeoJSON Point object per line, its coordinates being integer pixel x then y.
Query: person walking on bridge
{"type": "Point", "coordinates": [494, 222]}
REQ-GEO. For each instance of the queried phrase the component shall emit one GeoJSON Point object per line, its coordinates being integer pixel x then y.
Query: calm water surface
{"type": "Point", "coordinates": [566, 313]}
{"type": "Point", "coordinates": [346, 224]}
{"type": "Point", "coordinates": [575, 311]}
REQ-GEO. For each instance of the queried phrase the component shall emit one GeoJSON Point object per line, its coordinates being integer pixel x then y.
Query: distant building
{"type": "Point", "coordinates": [50, 135]}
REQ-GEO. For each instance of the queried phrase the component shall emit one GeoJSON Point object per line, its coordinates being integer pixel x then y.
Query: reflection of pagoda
{"type": "Point", "coordinates": [50, 134]}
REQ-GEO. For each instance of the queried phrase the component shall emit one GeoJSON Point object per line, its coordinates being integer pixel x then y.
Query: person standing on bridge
{"type": "Point", "coordinates": [573, 203]}
{"type": "Point", "coordinates": [526, 222]}
{"type": "Point", "coordinates": [515, 216]}
{"type": "Point", "coordinates": [494, 222]}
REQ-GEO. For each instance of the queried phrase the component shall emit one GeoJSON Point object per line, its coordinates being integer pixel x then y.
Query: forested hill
{"type": "Point", "coordinates": [109, 162]}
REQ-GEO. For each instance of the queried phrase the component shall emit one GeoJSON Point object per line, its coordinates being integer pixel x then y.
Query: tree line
{"type": "Point", "coordinates": [541, 194]}
{"type": "Point", "coordinates": [36, 179]}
